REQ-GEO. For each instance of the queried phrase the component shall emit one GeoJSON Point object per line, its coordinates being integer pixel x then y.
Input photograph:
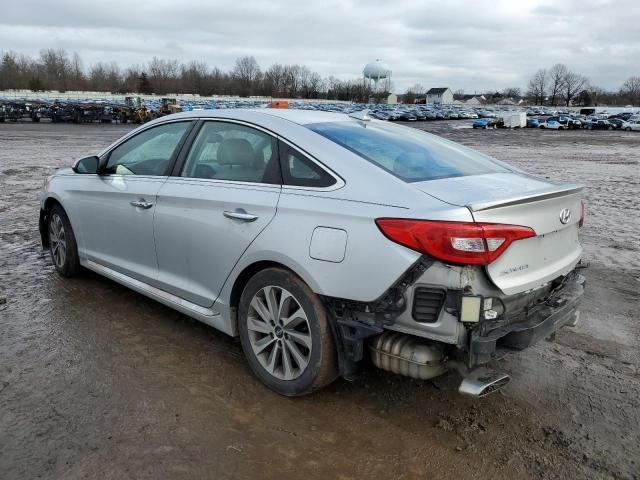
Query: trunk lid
{"type": "Point", "coordinates": [519, 199]}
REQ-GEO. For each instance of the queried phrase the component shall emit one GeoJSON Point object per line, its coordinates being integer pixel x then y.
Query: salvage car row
{"type": "Point", "coordinates": [569, 122]}
{"type": "Point", "coordinates": [137, 110]}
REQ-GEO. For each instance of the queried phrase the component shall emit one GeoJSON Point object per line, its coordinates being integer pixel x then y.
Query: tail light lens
{"type": "Point", "coordinates": [581, 222]}
{"type": "Point", "coordinates": [458, 243]}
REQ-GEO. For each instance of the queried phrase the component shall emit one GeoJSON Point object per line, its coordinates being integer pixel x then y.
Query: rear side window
{"type": "Point", "coordinates": [298, 170]}
{"type": "Point", "coordinates": [407, 153]}
{"type": "Point", "coordinates": [230, 151]}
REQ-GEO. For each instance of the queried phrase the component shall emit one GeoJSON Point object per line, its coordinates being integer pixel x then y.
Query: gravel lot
{"type": "Point", "coordinates": [96, 381]}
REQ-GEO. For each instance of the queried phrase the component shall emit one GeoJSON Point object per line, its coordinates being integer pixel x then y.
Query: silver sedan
{"type": "Point", "coordinates": [322, 239]}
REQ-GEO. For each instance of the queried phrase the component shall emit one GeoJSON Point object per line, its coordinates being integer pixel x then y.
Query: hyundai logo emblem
{"type": "Point", "coordinates": [565, 216]}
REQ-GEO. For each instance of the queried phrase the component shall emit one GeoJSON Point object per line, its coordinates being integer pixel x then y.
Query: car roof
{"type": "Point", "coordinates": [301, 117]}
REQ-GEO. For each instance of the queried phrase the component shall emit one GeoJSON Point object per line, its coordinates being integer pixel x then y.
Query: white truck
{"type": "Point", "coordinates": [514, 119]}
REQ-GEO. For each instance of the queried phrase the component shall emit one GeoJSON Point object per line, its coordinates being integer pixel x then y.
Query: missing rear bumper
{"type": "Point", "coordinates": [538, 321]}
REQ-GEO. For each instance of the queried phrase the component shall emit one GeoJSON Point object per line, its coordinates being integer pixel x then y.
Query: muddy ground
{"type": "Point", "coordinates": [97, 381]}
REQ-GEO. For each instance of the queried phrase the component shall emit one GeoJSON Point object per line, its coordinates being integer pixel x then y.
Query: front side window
{"type": "Point", "coordinates": [409, 154]}
{"type": "Point", "coordinates": [230, 151]}
{"type": "Point", "coordinates": [148, 153]}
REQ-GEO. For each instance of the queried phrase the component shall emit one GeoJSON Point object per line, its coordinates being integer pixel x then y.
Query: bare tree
{"type": "Point", "coordinates": [274, 80]}
{"type": "Point", "coordinates": [105, 77]}
{"type": "Point", "coordinates": [163, 75]}
{"type": "Point", "coordinates": [292, 80]}
{"type": "Point", "coordinates": [557, 74]}
{"type": "Point", "coordinates": [131, 79]}
{"type": "Point", "coordinates": [512, 92]}
{"type": "Point", "coordinates": [410, 96]}
{"type": "Point", "coordinates": [246, 71]}
{"type": "Point", "coordinates": [219, 81]}
{"type": "Point", "coordinates": [630, 90]}
{"type": "Point", "coordinates": [10, 75]}
{"type": "Point", "coordinates": [55, 68]}
{"type": "Point", "coordinates": [193, 77]}
{"type": "Point", "coordinates": [77, 80]}
{"type": "Point", "coordinates": [538, 86]}
{"type": "Point", "coordinates": [315, 85]}
{"type": "Point", "coordinates": [572, 84]}
{"type": "Point", "coordinates": [303, 80]}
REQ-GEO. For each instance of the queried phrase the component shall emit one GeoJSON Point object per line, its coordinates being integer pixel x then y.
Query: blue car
{"type": "Point", "coordinates": [484, 123]}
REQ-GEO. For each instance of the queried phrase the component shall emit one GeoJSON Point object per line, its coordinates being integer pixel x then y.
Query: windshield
{"type": "Point", "coordinates": [407, 153]}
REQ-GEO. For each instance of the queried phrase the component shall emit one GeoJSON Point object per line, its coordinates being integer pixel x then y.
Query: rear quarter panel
{"type": "Point", "coordinates": [371, 263]}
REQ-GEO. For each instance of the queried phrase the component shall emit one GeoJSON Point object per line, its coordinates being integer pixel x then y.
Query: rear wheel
{"type": "Point", "coordinates": [62, 243]}
{"type": "Point", "coordinates": [628, 129]}
{"type": "Point", "coordinates": [285, 333]}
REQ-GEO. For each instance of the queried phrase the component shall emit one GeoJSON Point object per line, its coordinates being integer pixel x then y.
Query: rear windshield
{"type": "Point", "coordinates": [407, 153]}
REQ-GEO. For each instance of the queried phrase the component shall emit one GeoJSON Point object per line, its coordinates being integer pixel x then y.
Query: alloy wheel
{"type": "Point", "coordinates": [279, 332]}
{"type": "Point", "coordinates": [57, 240]}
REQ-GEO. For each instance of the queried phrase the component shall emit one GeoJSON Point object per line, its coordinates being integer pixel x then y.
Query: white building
{"type": "Point", "coordinates": [440, 95]}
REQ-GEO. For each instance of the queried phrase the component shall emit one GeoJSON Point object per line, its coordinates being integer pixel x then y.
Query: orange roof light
{"type": "Point", "coordinates": [279, 104]}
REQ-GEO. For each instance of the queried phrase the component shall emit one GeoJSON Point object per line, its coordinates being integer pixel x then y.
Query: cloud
{"type": "Point", "coordinates": [475, 46]}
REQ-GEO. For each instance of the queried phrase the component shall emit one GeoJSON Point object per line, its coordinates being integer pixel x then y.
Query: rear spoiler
{"type": "Point", "coordinates": [534, 196]}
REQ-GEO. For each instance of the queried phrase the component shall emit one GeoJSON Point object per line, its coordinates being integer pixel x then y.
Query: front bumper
{"type": "Point", "coordinates": [532, 323]}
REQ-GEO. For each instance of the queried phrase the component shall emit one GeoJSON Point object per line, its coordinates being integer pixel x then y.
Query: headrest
{"type": "Point", "coordinates": [408, 163]}
{"type": "Point", "coordinates": [236, 151]}
{"type": "Point", "coordinates": [214, 138]}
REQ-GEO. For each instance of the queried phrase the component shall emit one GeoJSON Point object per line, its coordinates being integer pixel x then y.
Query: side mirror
{"type": "Point", "coordinates": [87, 165]}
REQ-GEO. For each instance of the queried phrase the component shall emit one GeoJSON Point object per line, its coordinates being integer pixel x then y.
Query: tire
{"type": "Point", "coordinates": [62, 243]}
{"type": "Point", "coordinates": [628, 129]}
{"type": "Point", "coordinates": [308, 369]}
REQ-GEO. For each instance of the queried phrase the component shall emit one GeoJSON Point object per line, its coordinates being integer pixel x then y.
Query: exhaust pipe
{"type": "Point", "coordinates": [482, 382]}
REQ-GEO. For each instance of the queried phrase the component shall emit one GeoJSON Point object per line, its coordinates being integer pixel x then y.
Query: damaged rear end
{"type": "Point", "coordinates": [484, 288]}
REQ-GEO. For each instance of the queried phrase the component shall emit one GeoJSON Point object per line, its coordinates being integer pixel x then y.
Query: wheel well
{"type": "Point", "coordinates": [49, 203]}
{"type": "Point", "coordinates": [44, 214]}
{"type": "Point", "coordinates": [243, 279]}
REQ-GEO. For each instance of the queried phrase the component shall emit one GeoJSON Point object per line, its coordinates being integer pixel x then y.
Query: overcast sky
{"type": "Point", "coordinates": [473, 45]}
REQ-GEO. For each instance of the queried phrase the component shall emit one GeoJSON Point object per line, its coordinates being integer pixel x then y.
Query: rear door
{"type": "Point", "coordinates": [224, 193]}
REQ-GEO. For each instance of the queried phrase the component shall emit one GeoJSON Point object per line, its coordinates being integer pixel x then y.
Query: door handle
{"type": "Point", "coordinates": [240, 214]}
{"type": "Point", "coordinates": [141, 203]}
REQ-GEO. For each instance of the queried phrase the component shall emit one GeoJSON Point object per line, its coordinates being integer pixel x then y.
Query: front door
{"type": "Point", "coordinates": [116, 208]}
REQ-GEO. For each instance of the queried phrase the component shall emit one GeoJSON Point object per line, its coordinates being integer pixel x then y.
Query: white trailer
{"type": "Point", "coordinates": [514, 119]}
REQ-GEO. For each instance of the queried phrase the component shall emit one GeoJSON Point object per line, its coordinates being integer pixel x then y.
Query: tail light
{"type": "Point", "coordinates": [581, 222]}
{"type": "Point", "coordinates": [458, 243]}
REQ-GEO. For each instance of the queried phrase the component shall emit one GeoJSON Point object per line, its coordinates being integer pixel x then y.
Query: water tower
{"type": "Point", "coordinates": [378, 76]}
